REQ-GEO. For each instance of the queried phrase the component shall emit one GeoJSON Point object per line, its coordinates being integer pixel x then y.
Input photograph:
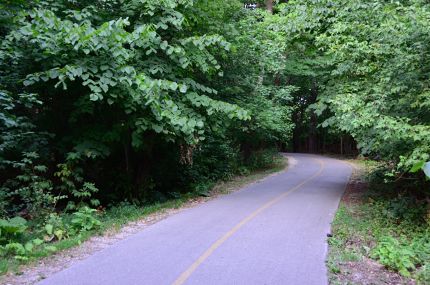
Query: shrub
{"type": "Point", "coordinates": [11, 229]}
{"type": "Point", "coordinates": [391, 253]}
{"type": "Point", "coordinates": [84, 220]}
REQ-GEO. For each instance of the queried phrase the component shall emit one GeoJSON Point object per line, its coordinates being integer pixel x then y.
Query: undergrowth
{"type": "Point", "coordinates": [389, 226]}
{"type": "Point", "coordinates": [23, 242]}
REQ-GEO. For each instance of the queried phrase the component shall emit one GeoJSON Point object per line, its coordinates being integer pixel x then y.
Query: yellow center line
{"type": "Point", "coordinates": [186, 274]}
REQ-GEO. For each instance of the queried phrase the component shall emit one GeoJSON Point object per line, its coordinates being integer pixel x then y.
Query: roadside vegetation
{"type": "Point", "coordinates": [63, 231]}
{"type": "Point", "coordinates": [106, 103]}
{"type": "Point", "coordinates": [381, 233]}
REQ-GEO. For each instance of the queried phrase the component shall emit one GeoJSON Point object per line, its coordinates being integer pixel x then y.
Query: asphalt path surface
{"type": "Point", "coordinates": [270, 232]}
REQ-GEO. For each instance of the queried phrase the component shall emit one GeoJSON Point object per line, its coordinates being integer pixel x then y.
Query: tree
{"type": "Point", "coordinates": [111, 80]}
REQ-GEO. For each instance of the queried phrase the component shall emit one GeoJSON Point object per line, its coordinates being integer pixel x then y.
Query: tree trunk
{"type": "Point", "coordinates": [313, 140]}
{"type": "Point", "coordinates": [341, 144]}
{"type": "Point", "coordinates": [143, 160]}
{"type": "Point", "coordinates": [127, 150]}
{"type": "Point", "coordinates": [269, 6]}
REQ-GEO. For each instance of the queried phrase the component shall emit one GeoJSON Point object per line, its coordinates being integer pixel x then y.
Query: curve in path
{"type": "Point", "coordinates": [270, 232]}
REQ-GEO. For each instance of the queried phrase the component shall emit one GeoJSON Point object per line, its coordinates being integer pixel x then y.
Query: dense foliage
{"type": "Point", "coordinates": [138, 101]}
{"type": "Point", "coordinates": [90, 89]}
{"type": "Point", "coordinates": [379, 87]}
{"type": "Point", "coordinates": [362, 68]}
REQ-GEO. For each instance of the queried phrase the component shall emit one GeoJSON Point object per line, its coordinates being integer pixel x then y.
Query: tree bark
{"type": "Point", "coordinates": [312, 139]}
{"type": "Point", "coordinates": [341, 144]}
{"type": "Point", "coordinates": [143, 160]}
{"type": "Point", "coordinates": [269, 6]}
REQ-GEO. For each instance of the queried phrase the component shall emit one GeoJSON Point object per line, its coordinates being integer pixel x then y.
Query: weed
{"type": "Point", "coordinates": [386, 225]}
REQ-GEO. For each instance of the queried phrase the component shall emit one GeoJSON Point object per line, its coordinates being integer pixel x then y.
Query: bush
{"type": "Point", "coordinates": [217, 159]}
{"type": "Point", "coordinates": [13, 241]}
{"type": "Point", "coordinates": [11, 229]}
{"type": "Point", "coordinates": [30, 187]}
{"type": "Point", "coordinates": [262, 158]}
{"type": "Point", "coordinates": [391, 253]}
{"type": "Point", "coordinates": [84, 220]}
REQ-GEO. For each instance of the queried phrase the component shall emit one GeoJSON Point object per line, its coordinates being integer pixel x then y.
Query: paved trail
{"type": "Point", "coordinates": [271, 232]}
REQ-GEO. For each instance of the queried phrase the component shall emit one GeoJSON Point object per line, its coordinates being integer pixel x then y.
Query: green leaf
{"type": "Point", "coordinates": [174, 86]}
{"type": "Point", "coordinates": [157, 128]}
{"type": "Point", "coordinates": [417, 166]}
{"type": "Point", "coordinates": [49, 229]}
{"type": "Point", "coordinates": [59, 234]}
{"type": "Point", "coordinates": [183, 88]}
{"type": "Point", "coordinates": [37, 241]}
{"type": "Point", "coordinates": [29, 246]}
{"type": "Point", "coordinates": [94, 97]}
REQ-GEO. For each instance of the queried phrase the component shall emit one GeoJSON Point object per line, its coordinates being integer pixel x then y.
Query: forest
{"type": "Point", "coordinates": [130, 103]}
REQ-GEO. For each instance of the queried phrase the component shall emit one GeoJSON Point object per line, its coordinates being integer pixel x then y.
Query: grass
{"type": "Point", "coordinates": [379, 229]}
{"type": "Point", "coordinates": [114, 218]}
